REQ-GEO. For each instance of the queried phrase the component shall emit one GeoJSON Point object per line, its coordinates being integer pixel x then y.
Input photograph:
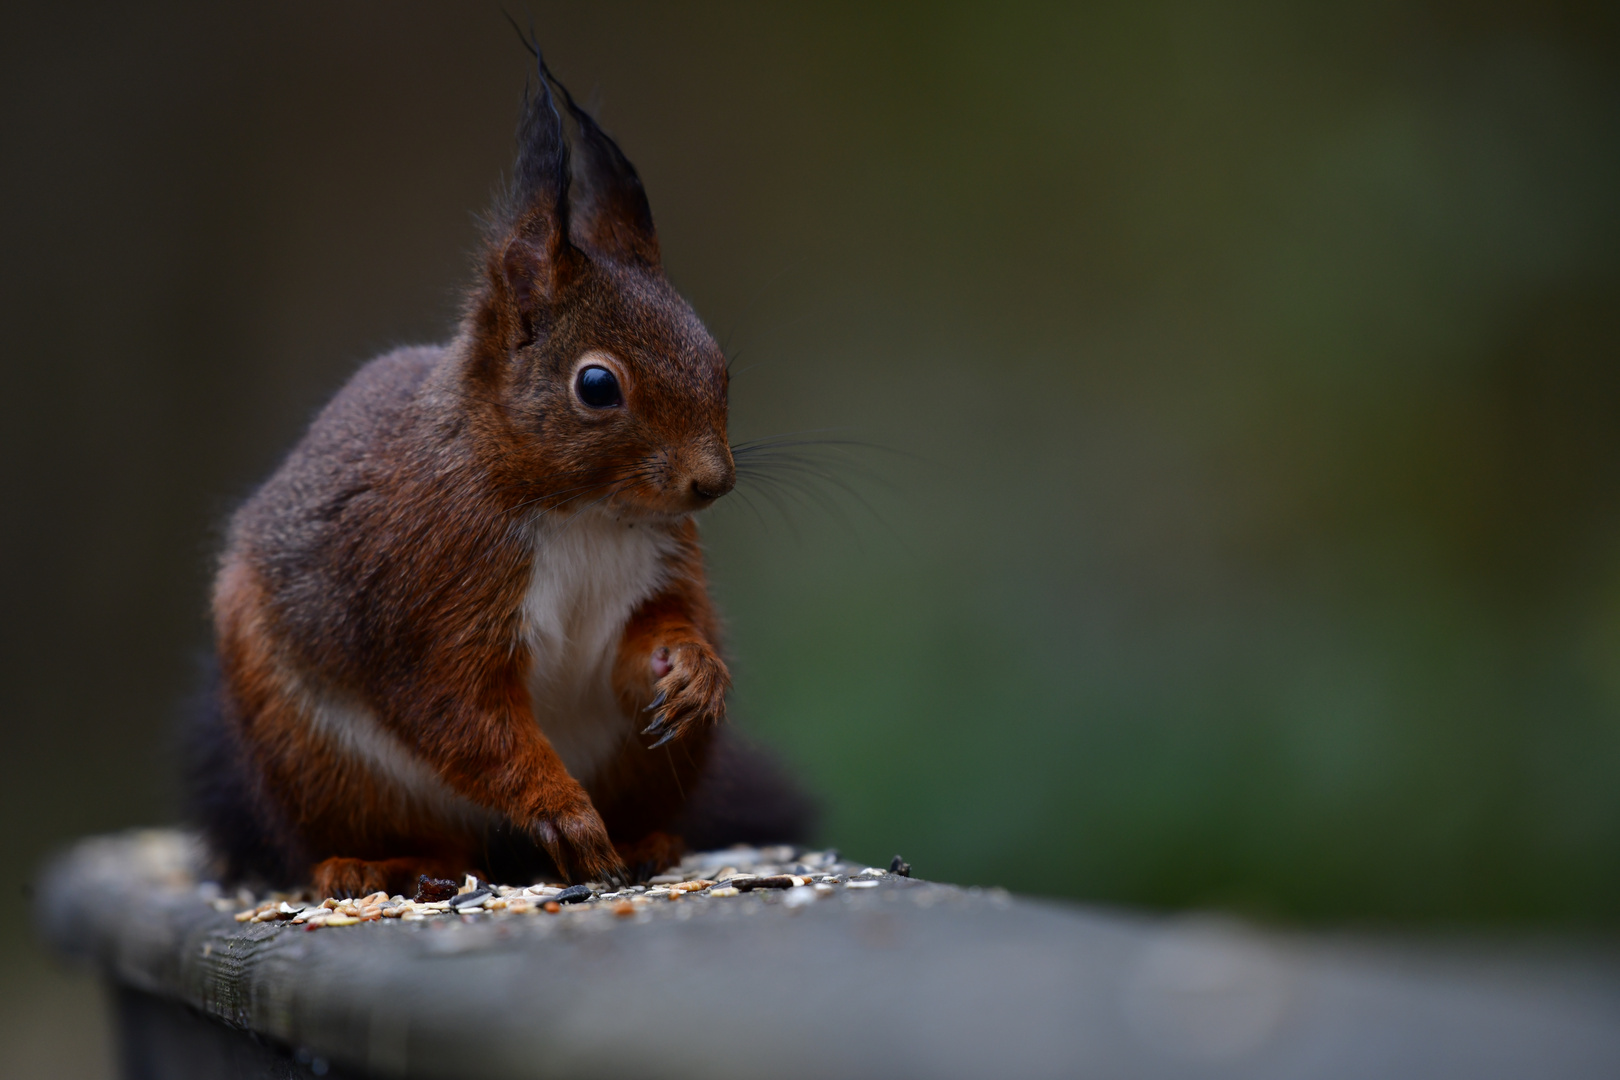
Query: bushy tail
{"type": "Point", "coordinates": [223, 794]}
{"type": "Point", "coordinates": [746, 796]}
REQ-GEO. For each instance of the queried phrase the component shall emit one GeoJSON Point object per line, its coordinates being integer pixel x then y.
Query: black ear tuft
{"type": "Point", "coordinates": [610, 212]}
{"type": "Point", "coordinates": [604, 210]}
{"type": "Point", "coordinates": [540, 180]}
{"type": "Point", "coordinates": [531, 236]}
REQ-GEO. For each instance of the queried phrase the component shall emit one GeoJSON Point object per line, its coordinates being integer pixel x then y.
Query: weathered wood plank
{"type": "Point", "coordinates": [904, 978]}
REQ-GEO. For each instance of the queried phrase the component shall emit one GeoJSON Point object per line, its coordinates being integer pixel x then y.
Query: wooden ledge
{"type": "Point", "coordinates": [904, 978]}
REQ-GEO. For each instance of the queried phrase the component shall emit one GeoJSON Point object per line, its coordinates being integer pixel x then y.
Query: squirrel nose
{"type": "Point", "coordinates": [712, 487]}
{"type": "Point", "coordinates": [713, 478]}
{"type": "Point", "coordinates": [711, 492]}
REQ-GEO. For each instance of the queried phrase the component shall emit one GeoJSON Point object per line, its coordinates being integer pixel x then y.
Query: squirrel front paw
{"type": "Point", "coordinates": [691, 682]}
{"type": "Point", "coordinates": [578, 843]}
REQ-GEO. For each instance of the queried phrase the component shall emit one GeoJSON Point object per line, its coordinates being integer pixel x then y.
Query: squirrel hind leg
{"type": "Point", "coordinates": [341, 877]}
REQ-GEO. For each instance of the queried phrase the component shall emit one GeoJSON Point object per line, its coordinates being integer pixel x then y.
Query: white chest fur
{"type": "Point", "coordinates": [589, 574]}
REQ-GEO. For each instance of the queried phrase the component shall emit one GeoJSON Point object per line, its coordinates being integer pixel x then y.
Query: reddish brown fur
{"type": "Point", "coordinates": [382, 570]}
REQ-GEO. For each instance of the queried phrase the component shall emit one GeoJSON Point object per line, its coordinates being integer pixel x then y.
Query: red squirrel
{"type": "Point", "coordinates": [468, 613]}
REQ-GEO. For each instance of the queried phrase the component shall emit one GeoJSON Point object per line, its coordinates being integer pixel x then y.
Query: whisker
{"type": "Point", "coordinates": [814, 496]}
{"type": "Point", "coordinates": [746, 501]}
{"type": "Point", "coordinates": [815, 469]}
{"type": "Point", "coordinates": [787, 519]}
{"type": "Point", "coordinates": [550, 495]}
{"type": "Point", "coordinates": [644, 471]}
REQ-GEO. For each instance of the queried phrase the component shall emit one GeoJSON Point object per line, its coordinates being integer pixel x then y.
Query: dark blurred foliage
{"type": "Point", "coordinates": [1248, 532]}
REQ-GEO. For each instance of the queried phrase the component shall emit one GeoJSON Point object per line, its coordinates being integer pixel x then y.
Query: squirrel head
{"type": "Point", "coordinates": [590, 380]}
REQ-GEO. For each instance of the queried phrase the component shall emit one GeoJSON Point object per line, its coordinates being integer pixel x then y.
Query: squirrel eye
{"type": "Point", "coordinates": [598, 388]}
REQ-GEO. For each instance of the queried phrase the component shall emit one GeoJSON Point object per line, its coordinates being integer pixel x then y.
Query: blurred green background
{"type": "Point", "coordinates": [1249, 530]}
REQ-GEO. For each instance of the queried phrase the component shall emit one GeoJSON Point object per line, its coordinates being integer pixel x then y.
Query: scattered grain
{"type": "Point", "coordinates": [775, 881]}
{"type": "Point", "coordinates": [470, 901]}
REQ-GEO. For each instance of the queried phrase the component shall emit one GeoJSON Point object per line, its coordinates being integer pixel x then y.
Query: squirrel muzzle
{"type": "Point", "coordinates": [707, 475]}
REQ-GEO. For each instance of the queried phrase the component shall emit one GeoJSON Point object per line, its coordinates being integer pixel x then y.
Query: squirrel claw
{"type": "Point", "coordinates": [689, 695]}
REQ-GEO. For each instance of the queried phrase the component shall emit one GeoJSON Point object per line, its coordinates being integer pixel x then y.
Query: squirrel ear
{"type": "Point", "coordinates": [535, 253]}
{"type": "Point", "coordinates": [609, 213]}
